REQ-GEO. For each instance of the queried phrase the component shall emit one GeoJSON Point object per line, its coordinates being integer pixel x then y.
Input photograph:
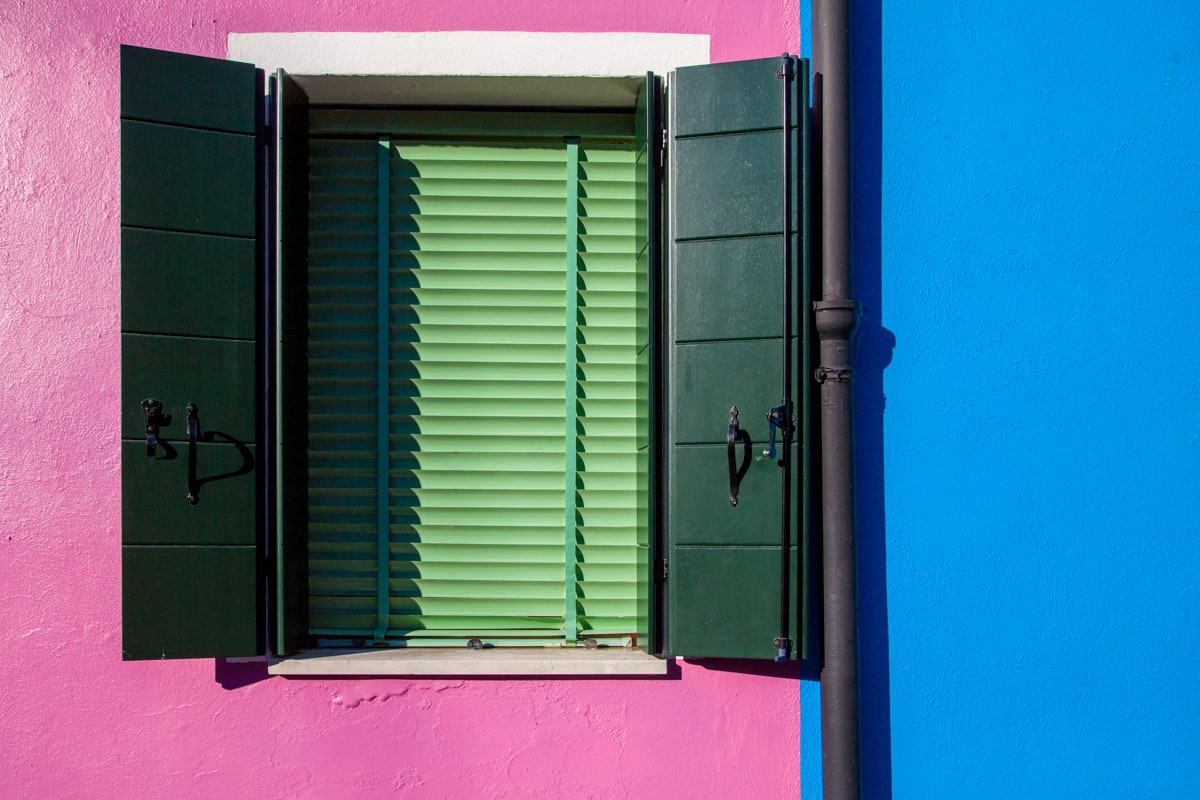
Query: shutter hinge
{"type": "Point", "coordinates": [662, 151]}
{"type": "Point", "coordinates": [664, 570]}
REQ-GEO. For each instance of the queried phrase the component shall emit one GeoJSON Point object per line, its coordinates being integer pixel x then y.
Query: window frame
{"type": "Point", "coordinates": [290, 112]}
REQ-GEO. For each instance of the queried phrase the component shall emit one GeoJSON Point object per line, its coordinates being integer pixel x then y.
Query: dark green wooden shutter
{"type": "Point", "coordinates": [725, 349]}
{"type": "Point", "coordinates": [190, 214]}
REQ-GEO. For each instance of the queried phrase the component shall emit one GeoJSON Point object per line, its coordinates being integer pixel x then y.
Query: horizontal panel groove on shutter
{"type": "Point", "coordinates": [477, 242]}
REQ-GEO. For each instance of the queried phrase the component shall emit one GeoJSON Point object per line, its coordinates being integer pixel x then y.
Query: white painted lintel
{"type": "Point", "coordinates": [471, 53]}
{"type": "Point", "coordinates": [471, 68]}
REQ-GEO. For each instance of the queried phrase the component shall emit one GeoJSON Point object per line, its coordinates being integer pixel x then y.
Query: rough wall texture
{"type": "Point", "coordinates": [75, 721]}
{"type": "Point", "coordinates": [1028, 223]}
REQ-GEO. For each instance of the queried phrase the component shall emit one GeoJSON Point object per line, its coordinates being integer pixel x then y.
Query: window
{"type": "Point", "coordinates": [525, 505]}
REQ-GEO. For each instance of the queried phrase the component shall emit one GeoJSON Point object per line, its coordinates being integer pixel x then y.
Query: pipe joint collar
{"type": "Point", "coordinates": [836, 319]}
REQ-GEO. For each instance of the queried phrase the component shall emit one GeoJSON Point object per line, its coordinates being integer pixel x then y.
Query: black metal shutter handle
{"type": "Point", "coordinates": [193, 433]}
{"type": "Point", "coordinates": [732, 437]}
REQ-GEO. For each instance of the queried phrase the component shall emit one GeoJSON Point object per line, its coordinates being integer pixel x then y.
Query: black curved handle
{"type": "Point", "coordinates": [736, 473]}
{"type": "Point", "coordinates": [193, 433]}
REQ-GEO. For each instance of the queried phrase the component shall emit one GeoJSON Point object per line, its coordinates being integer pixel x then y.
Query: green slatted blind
{"type": "Point", "coordinates": [481, 534]}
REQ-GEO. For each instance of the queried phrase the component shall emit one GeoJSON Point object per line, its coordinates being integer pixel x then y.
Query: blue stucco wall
{"type": "Point", "coordinates": [1028, 399]}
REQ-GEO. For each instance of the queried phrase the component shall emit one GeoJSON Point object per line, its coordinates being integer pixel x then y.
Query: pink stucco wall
{"type": "Point", "coordinates": [76, 722]}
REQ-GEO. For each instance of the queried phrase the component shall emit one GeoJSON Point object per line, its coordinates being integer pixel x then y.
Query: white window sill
{"type": "Point", "coordinates": [463, 661]}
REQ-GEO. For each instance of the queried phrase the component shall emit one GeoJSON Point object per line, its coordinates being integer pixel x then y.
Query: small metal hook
{"type": "Point", "coordinates": [779, 418]}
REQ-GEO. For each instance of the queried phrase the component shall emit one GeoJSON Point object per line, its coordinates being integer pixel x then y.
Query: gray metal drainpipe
{"type": "Point", "coordinates": [836, 318]}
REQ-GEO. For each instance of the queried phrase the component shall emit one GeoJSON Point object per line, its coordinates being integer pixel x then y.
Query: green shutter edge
{"type": "Point", "coordinates": [288, 524]}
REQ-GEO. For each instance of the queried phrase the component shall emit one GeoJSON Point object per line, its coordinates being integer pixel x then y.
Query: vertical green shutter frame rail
{"type": "Point", "coordinates": [191, 143]}
{"type": "Point", "coordinates": [647, 230]}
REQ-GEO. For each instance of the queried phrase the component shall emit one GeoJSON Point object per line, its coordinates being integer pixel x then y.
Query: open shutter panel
{"type": "Point", "coordinates": [190, 214]}
{"type": "Point", "coordinates": [725, 349]}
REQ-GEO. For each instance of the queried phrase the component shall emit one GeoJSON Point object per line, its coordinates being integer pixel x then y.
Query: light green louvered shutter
{"type": "Point", "coordinates": [509, 387]}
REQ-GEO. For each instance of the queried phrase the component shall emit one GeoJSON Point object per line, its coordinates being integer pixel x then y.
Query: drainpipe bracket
{"type": "Point", "coordinates": [833, 375]}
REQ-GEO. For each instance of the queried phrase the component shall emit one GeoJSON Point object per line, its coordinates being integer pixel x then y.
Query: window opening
{"type": "Point", "coordinates": [477, 337]}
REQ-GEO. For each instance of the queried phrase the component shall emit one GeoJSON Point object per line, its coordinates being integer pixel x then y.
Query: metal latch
{"type": "Point", "coordinates": [782, 419]}
{"type": "Point", "coordinates": [152, 411]}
